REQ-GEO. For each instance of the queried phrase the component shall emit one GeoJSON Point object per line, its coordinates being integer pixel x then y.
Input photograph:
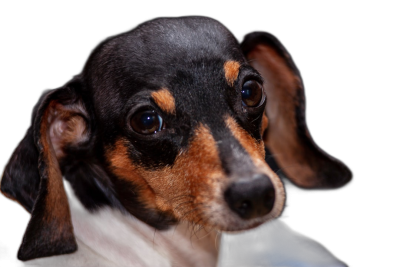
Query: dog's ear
{"type": "Point", "coordinates": [33, 177]}
{"type": "Point", "coordinates": [286, 137]}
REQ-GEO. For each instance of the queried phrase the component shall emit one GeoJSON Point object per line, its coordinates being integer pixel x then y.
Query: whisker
{"type": "Point", "coordinates": [179, 196]}
{"type": "Point", "coordinates": [189, 212]}
{"type": "Point", "coordinates": [216, 239]}
{"type": "Point", "coordinates": [154, 235]}
{"type": "Point", "coordinates": [256, 118]}
{"type": "Point", "coordinates": [180, 204]}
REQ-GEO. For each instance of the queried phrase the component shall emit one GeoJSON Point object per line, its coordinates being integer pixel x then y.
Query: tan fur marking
{"type": "Point", "coordinates": [252, 146]}
{"type": "Point", "coordinates": [231, 69]}
{"type": "Point", "coordinates": [178, 189]}
{"type": "Point", "coordinates": [264, 124]}
{"type": "Point", "coordinates": [164, 100]}
{"type": "Point", "coordinates": [123, 167]}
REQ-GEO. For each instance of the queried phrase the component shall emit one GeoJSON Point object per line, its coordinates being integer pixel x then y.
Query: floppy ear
{"type": "Point", "coordinates": [33, 177]}
{"type": "Point", "coordinates": [287, 138]}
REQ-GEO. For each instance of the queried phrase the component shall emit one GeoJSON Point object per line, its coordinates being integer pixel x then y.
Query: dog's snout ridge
{"type": "Point", "coordinates": [251, 198]}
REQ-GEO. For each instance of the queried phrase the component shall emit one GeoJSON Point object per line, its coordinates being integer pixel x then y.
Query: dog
{"type": "Point", "coordinates": [172, 124]}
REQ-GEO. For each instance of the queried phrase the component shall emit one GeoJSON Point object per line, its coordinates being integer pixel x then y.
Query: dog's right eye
{"type": "Point", "coordinates": [146, 122]}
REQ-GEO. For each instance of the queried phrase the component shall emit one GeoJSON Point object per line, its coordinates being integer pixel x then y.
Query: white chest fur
{"type": "Point", "coordinates": [109, 238]}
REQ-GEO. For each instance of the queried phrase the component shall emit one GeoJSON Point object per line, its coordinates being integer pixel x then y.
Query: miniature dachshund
{"type": "Point", "coordinates": [173, 123]}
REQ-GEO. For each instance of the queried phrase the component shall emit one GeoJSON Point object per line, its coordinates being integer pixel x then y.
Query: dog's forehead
{"type": "Point", "coordinates": [167, 41]}
{"type": "Point", "coordinates": [180, 54]}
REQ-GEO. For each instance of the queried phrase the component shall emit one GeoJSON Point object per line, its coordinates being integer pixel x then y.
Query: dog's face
{"type": "Point", "coordinates": [172, 121]}
{"type": "Point", "coordinates": [180, 117]}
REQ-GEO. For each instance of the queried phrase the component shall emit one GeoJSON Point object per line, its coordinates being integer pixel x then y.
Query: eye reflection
{"type": "Point", "coordinates": [146, 122]}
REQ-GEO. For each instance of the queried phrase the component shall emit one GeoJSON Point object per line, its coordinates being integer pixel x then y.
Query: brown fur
{"type": "Point", "coordinates": [122, 167]}
{"type": "Point", "coordinates": [264, 126]}
{"type": "Point", "coordinates": [280, 83]}
{"type": "Point", "coordinates": [231, 69]}
{"type": "Point", "coordinates": [164, 100]}
{"type": "Point", "coordinates": [67, 127]}
{"type": "Point", "coordinates": [56, 199]}
{"type": "Point", "coordinates": [182, 189]}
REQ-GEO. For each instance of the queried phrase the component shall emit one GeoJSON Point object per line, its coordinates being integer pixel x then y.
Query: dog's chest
{"type": "Point", "coordinates": [113, 239]}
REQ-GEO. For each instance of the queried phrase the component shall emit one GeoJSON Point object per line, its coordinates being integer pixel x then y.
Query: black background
{"type": "Point", "coordinates": [341, 51]}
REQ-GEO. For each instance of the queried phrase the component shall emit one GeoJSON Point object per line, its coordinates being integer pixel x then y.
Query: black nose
{"type": "Point", "coordinates": [251, 198]}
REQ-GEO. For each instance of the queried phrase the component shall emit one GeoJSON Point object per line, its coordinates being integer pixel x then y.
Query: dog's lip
{"type": "Point", "coordinates": [241, 230]}
{"type": "Point", "coordinates": [236, 224]}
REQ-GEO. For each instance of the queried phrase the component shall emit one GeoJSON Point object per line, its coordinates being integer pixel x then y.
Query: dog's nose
{"type": "Point", "coordinates": [251, 198]}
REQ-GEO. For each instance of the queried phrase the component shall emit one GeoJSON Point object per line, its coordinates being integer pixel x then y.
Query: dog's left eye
{"type": "Point", "coordinates": [146, 122]}
{"type": "Point", "coordinates": [252, 93]}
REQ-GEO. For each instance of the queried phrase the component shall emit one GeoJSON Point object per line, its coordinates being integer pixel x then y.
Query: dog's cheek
{"type": "Point", "coordinates": [184, 189]}
{"type": "Point", "coordinates": [190, 186]}
{"type": "Point", "coordinates": [153, 189]}
{"type": "Point", "coordinates": [123, 169]}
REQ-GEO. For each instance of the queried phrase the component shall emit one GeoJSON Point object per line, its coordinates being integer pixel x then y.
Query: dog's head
{"type": "Point", "coordinates": [172, 121]}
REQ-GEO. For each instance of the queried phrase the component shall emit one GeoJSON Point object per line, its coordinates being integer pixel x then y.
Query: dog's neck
{"type": "Point", "coordinates": [127, 241]}
{"type": "Point", "coordinates": [130, 242]}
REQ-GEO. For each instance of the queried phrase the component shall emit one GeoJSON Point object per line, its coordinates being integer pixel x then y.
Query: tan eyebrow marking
{"type": "Point", "coordinates": [164, 100]}
{"type": "Point", "coordinates": [231, 69]}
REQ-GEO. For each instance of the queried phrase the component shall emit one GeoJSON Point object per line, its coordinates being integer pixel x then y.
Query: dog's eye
{"type": "Point", "coordinates": [252, 93]}
{"type": "Point", "coordinates": [146, 122]}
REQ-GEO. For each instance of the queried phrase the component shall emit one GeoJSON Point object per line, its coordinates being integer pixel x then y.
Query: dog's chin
{"type": "Point", "coordinates": [227, 221]}
{"type": "Point", "coordinates": [241, 225]}
{"type": "Point", "coordinates": [240, 228]}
